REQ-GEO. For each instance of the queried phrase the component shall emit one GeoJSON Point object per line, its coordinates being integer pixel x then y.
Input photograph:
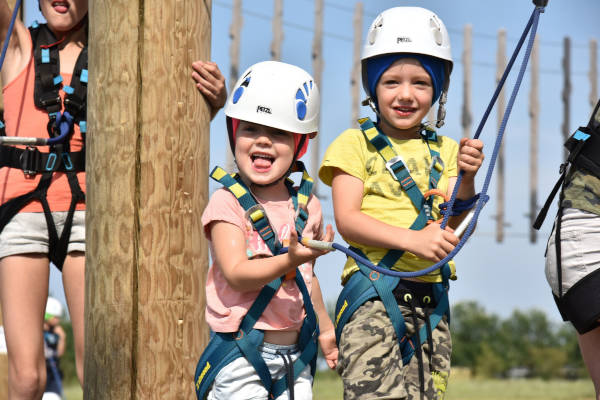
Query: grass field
{"type": "Point", "coordinates": [328, 386]}
{"type": "Point", "coordinates": [461, 387]}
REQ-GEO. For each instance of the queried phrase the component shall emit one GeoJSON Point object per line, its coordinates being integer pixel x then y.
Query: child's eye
{"type": "Point", "coordinates": [423, 83]}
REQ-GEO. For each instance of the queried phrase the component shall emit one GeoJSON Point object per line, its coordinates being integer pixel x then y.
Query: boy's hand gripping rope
{"type": "Point", "coordinates": [468, 224]}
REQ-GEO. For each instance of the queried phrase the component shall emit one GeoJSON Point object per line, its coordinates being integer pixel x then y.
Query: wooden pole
{"type": "Point", "coordinates": [593, 73]}
{"type": "Point", "coordinates": [566, 92]}
{"type": "Point", "coordinates": [3, 355]}
{"type": "Point", "coordinates": [355, 76]}
{"type": "Point", "coordinates": [501, 66]}
{"type": "Point", "coordinates": [317, 49]}
{"type": "Point", "coordinates": [147, 163]}
{"type": "Point", "coordinates": [534, 111]}
{"type": "Point", "coordinates": [467, 117]}
{"type": "Point", "coordinates": [235, 30]}
{"type": "Point", "coordinates": [277, 30]}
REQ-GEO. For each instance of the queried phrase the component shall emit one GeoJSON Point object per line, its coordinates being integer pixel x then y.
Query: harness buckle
{"type": "Point", "coordinates": [30, 159]}
{"type": "Point", "coordinates": [75, 103]}
{"type": "Point", "coordinates": [389, 165]}
{"type": "Point", "coordinates": [50, 100]}
{"type": "Point", "coordinates": [435, 160]}
{"type": "Point", "coordinates": [255, 213]}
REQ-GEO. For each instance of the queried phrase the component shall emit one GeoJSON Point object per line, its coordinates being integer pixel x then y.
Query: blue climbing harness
{"type": "Point", "coordinates": [224, 347]}
{"type": "Point", "coordinates": [367, 284]}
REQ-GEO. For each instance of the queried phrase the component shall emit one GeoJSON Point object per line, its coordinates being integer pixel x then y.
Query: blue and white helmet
{"type": "Point", "coordinates": [408, 30]}
{"type": "Point", "coordinates": [276, 94]}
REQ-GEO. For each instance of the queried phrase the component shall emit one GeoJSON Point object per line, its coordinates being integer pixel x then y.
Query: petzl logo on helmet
{"type": "Point", "coordinates": [403, 40]}
{"type": "Point", "coordinates": [263, 109]}
{"type": "Point", "coordinates": [302, 98]}
{"type": "Point", "coordinates": [240, 90]}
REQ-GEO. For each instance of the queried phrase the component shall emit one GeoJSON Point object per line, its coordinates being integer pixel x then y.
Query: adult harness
{"type": "Point", "coordinates": [366, 284]}
{"type": "Point", "coordinates": [584, 155]}
{"type": "Point", "coordinates": [224, 347]}
{"type": "Point", "coordinates": [60, 127]}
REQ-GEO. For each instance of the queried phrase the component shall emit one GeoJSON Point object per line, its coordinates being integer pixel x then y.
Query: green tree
{"type": "Point", "coordinates": [471, 328]}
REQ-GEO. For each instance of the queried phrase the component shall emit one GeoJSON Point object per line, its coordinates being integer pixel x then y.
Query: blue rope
{"type": "Point", "coordinates": [531, 26]}
{"type": "Point", "coordinates": [10, 29]}
{"type": "Point", "coordinates": [64, 122]}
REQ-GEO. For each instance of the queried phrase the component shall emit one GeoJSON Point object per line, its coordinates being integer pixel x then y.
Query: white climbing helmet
{"type": "Point", "coordinates": [278, 95]}
{"type": "Point", "coordinates": [53, 308]}
{"type": "Point", "coordinates": [413, 30]}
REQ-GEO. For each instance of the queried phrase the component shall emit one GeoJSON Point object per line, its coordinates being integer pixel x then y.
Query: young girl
{"type": "Point", "coordinates": [393, 334]}
{"type": "Point", "coordinates": [272, 112]}
{"type": "Point", "coordinates": [42, 190]}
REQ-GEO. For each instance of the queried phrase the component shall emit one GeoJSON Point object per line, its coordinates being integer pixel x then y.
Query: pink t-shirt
{"type": "Point", "coordinates": [225, 307]}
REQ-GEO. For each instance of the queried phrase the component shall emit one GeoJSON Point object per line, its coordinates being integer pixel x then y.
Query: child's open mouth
{"type": "Point", "coordinates": [60, 6]}
{"type": "Point", "coordinates": [262, 161]}
{"type": "Point", "coordinates": [405, 111]}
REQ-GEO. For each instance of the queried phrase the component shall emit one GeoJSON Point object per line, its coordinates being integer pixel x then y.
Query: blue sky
{"type": "Point", "coordinates": [500, 276]}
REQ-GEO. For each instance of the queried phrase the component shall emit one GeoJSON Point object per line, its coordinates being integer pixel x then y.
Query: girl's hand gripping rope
{"type": "Point", "coordinates": [300, 253]}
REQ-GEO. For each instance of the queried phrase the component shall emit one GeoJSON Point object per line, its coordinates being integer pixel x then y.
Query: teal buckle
{"type": "Point", "coordinates": [437, 160]}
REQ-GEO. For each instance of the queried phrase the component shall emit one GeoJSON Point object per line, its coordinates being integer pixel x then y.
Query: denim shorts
{"type": "Point", "coordinates": [580, 249]}
{"type": "Point", "coordinates": [239, 381]}
{"type": "Point", "coordinates": [28, 233]}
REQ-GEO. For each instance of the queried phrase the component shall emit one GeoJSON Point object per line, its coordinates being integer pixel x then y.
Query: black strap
{"type": "Point", "coordinates": [542, 214]}
{"type": "Point", "coordinates": [32, 161]}
{"type": "Point", "coordinates": [557, 247]}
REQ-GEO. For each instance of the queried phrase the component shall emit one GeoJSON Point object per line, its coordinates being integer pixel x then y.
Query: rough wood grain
{"type": "Point", "coordinates": [147, 168]}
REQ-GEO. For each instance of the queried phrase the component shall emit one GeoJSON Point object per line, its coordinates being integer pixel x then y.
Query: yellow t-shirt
{"type": "Point", "coordinates": [383, 197]}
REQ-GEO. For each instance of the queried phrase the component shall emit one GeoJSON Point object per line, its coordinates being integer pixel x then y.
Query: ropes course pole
{"type": "Point", "coordinates": [147, 180]}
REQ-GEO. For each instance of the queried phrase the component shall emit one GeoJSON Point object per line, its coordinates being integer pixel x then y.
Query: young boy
{"type": "Point", "coordinates": [378, 175]}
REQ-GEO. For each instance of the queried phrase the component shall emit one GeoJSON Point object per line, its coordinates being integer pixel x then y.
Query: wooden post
{"type": "Point", "coordinates": [147, 163]}
{"type": "Point", "coordinates": [317, 49]}
{"type": "Point", "coordinates": [593, 73]}
{"type": "Point", "coordinates": [235, 30]}
{"type": "Point", "coordinates": [277, 30]}
{"type": "Point", "coordinates": [355, 76]}
{"type": "Point", "coordinates": [566, 92]}
{"type": "Point", "coordinates": [534, 111]}
{"type": "Point", "coordinates": [501, 66]}
{"type": "Point", "coordinates": [467, 117]}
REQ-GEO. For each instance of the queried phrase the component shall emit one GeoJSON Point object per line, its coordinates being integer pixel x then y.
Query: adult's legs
{"type": "Point", "coordinates": [589, 344]}
{"type": "Point", "coordinates": [74, 284]}
{"type": "Point", "coordinates": [23, 294]}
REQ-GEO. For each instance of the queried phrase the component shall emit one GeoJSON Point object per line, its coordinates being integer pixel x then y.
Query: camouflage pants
{"type": "Point", "coordinates": [370, 362]}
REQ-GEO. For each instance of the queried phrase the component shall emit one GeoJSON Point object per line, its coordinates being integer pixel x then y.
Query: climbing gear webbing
{"type": "Point", "coordinates": [226, 347]}
{"type": "Point", "coordinates": [584, 155]}
{"type": "Point", "coordinates": [30, 160]}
